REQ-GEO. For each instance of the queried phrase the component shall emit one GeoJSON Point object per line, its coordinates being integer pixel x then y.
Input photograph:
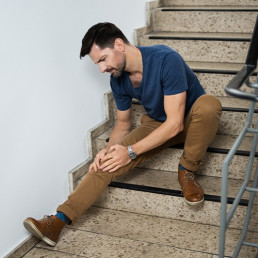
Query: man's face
{"type": "Point", "coordinates": [111, 60]}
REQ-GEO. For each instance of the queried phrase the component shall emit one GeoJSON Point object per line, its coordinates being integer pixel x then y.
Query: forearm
{"type": "Point", "coordinates": [159, 136]}
{"type": "Point", "coordinates": [116, 136]}
{"type": "Point", "coordinates": [174, 106]}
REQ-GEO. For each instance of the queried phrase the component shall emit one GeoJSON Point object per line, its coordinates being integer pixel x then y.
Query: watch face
{"type": "Point", "coordinates": [132, 155]}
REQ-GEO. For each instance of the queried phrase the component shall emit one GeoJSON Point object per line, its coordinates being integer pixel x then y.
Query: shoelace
{"type": "Point", "coordinates": [189, 177]}
{"type": "Point", "coordinates": [49, 220]}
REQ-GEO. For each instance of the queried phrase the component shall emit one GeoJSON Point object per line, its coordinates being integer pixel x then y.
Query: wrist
{"type": "Point", "coordinates": [131, 152]}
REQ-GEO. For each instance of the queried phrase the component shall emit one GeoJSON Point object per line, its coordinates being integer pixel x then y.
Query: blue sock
{"type": "Point", "coordinates": [63, 217]}
{"type": "Point", "coordinates": [181, 167]}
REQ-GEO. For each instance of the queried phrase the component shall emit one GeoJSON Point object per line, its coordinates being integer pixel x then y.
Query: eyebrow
{"type": "Point", "coordinates": [100, 59]}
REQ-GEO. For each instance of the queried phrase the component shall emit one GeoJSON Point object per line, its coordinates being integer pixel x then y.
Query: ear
{"type": "Point", "coordinates": [119, 45]}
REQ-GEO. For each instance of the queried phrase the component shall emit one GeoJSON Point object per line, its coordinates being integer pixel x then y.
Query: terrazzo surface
{"type": "Point", "coordinates": [204, 50]}
{"type": "Point", "coordinates": [211, 2]}
{"type": "Point", "coordinates": [204, 21]}
{"type": "Point", "coordinates": [210, 35]}
{"type": "Point", "coordinates": [112, 233]}
{"type": "Point", "coordinates": [231, 122]}
{"type": "Point", "coordinates": [168, 159]}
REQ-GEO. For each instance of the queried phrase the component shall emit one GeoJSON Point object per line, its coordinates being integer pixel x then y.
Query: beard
{"type": "Point", "coordinates": [117, 72]}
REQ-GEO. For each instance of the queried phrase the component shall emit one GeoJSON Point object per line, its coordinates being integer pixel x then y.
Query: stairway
{"type": "Point", "coordinates": [144, 210]}
{"type": "Point", "coordinates": [213, 39]}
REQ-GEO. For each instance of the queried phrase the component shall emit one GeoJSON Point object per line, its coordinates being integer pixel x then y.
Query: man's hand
{"type": "Point", "coordinates": [116, 158]}
{"type": "Point", "coordinates": [98, 159]}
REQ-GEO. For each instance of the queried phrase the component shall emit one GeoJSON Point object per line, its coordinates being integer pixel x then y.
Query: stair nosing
{"type": "Point", "coordinates": [211, 36]}
{"type": "Point", "coordinates": [211, 8]}
{"type": "Point", "coordinates": [200, 38]}
{"type": "Point", "coordinates": [244, 153]}
{"type": "Point", "coordinates": [171, 192]}
{"type": "Point", "coordinates": [215, 67]}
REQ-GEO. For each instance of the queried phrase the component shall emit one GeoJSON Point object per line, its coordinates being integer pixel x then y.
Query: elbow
{"type": "Point", "coordinates": [127, 128]}
{"type": "Point", "coordinates": [178, 128]}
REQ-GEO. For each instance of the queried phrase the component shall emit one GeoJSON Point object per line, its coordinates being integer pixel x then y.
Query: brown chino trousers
{"type": "Point", "coordinates": [200, 127]}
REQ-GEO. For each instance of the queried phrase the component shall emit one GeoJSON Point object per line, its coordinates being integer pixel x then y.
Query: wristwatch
{"type": "Point", "coordinates": [131, 153]}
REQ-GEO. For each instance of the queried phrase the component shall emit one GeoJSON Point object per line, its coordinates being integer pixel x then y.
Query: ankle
{"type": "Point", "coordinates": [181, 167]}
{"type": "Point", "coordinates": [185, 169]}
{"type": "Point", "coordinates": [63, 217]}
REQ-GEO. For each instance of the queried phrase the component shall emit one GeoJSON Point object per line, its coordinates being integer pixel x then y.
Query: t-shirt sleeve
{"type": "Point", "coordinates": [123, 101]}
{"type": "Point", "coordinates": [173, 74]}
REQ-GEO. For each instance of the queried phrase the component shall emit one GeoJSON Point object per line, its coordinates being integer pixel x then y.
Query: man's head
{"type": "Point", "coordinates": [103, 35]}
{"type": "Point", "coordinates": [106, 44]}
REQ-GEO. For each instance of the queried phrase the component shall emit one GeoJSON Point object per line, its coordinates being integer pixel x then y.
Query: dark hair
{"type": "Point", "coordinates": [102, 34]}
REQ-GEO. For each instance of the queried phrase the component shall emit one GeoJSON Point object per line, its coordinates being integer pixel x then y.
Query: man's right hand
{"type": "Point", "coordinates": [96, 164]}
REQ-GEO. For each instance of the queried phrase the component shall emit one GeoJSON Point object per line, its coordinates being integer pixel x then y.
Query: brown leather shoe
{"type": "Point", "coordinates": [46, 229]}
{"type": "Point", "coordinates": [192, 191]}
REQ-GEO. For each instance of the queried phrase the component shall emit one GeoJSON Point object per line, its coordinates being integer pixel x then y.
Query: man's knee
{"type": "Point", "coordinates": [209, 107]}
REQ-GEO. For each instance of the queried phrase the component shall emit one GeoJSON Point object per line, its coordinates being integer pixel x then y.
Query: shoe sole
{"type": "Point", "coordinates": [35, 232]}
{"type": "Point", "coordinates": [194, 203]}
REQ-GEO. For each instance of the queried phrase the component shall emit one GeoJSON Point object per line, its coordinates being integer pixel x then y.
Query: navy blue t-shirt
{"type": "Point", "coordinates": [164, 73]}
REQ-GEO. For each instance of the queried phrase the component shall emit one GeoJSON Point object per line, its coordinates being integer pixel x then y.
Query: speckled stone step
{"type": "Point", "coordinates": [215, 83]}
{"type": "Point", "coordinates": [167, 180]}
{"type": "Point", "coordinates": [172, 205]}
{"type": "Point", "coordinates": [232, 122]}
{"type": "Point", "coordinates": [169, 206]}
{"type": "Point", "coordinates": [105, 233]}
{"type": "Point", "coordinates": [205, 18]}
{"type": "Point", "coordinates": [215, 76]}
{"type": "Point", "coordinates": [149, 236]}
{"type": "Point", "coordinates": [223, 68]}
{"type": "Point", "coordinates": [202, 48]}
{"type": "Point", "coordinates": [168, 159]}
{"type": "Point", "coordinates": [210, 2]}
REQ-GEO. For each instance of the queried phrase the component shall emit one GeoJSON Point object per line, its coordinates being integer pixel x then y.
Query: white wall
{"type": "Point", "coordinates": [49, 99]}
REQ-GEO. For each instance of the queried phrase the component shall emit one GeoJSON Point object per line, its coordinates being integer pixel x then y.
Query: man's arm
{"type": "Point", "coordinates": [174, 106]}
{"type": "Point", "coordinates": [120, 130]}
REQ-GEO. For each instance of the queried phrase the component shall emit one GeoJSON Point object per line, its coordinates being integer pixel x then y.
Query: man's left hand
{"type": "Point", "coordinates": [116, 158]}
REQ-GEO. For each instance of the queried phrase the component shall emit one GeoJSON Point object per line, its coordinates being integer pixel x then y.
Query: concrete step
{"type": "Point", "coordinates": [210, 2]}
{"type": "Point", "coordinates": [160, 231]}
{"type": "Point", "coordinates": [215, 83]}
{"type": "Point", "coordinates": [112, 233]}
{"type": "Point", "coordinates": [238, 19]}
{"type": "Point", "coordinates": [203, 47]}
{"type": "Point", "coordinates": [170, 206]}
{"type": "Point", "coordinates": [211, 163]}
{"type": "Point", "coordinates": [168, 159]}
{"type": "Point", "coordinates": [213, 67]}
{"type": "Point", "coordinates": [166, 181]}
{"type": "Point", "coordinates": [215, 76]}
{"type": "Point", "coordinates": [233, 118]}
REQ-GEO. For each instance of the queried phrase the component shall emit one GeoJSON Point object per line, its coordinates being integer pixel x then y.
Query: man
{"type": "Point", "coordinates": [178, 111]}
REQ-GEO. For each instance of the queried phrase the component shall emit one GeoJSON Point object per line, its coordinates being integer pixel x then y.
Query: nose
{"type": "Point", "coordinates": [102, 67]}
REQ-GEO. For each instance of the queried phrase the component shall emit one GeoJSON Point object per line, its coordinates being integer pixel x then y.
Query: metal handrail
{"type": "Point", "coordinates": [233, 88]}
